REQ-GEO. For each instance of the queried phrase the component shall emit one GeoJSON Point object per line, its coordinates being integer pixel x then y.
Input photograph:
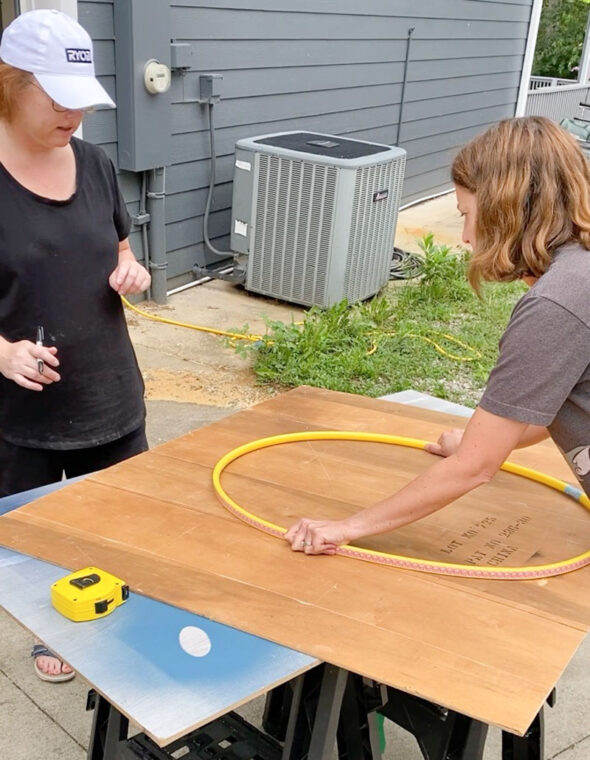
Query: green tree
{"type": "Point", "coordinates": [561, 38]}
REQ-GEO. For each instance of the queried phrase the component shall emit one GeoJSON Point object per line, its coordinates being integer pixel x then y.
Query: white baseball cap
{"type": "Point", "coordinates": [58, 51]}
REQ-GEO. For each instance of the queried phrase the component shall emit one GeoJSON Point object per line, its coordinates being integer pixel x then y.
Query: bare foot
{"type": "Point", "coordinates": [48, 666]}
{"type": "Point", "coordinates": [51, 666]}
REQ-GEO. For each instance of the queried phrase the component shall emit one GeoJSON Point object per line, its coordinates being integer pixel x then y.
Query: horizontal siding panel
{"type": "Point", "coordinates": [331, 117]}
{"type": "Point", "coordinates": [247, 24]}
{"type": "Point", "coordinates": [283, 107]}
{"type": "Point", "coordinates": [97, 17]}
{"type": "Point", "coordinates": [441, 159]}
{"type": "Point", "coordinates": [180, 263]}
{"type": "Point", "coordinates": [192, 175]}
{"type": "Point", "coordinates": [100, 126]}
{"type": "Point", "coordinates": [248, 83]}
{"type": "Point", "coordinates": [434, 126]}
{"type": "Point", "coordinates": [129, 182]}
{"type": "Point", "coordinates": [181, 206]}
{"type": "Point", "coordinates": [216, 55]}
{"type": "Point", "coordinates": [465, 9]}
{"type": "Point", "coordinates": [458, 104]}
{"type": "Point", "coordinates": [225, 57]}
{"type": "Point", "coordinates": [423, 70]}
{"type": "Point", "coordinates": [182, 260]}
{"type": "Point", "coordinates": [463, 85]}
{"type": "Point", "coordinates": [421, 195]}
{"type": "Point", "coordinates": [189, 231]}
{"type": "Point", "coordinates": [104, 57]}
{"type": "Point", "coordinates": [426, 146]}
{"type": "Point", "coordinates": [443, 49]}
{"type": "Point", "coordinates": [428, 183]}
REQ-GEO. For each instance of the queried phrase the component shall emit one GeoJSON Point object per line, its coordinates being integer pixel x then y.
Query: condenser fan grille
{"type": "Point", "coordinates": [294, 214]}
{"type": "Point", "coordinates": [372, 222]}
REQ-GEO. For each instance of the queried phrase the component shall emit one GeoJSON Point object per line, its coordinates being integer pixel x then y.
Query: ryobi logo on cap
{"type": "Point", "coordinates": [78, 55]}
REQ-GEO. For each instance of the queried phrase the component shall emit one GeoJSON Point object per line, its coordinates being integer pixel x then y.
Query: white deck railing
{"type": "Point", "coordinates": [557, 102]}
{"type": "Point", "coordinates": [536, 83]}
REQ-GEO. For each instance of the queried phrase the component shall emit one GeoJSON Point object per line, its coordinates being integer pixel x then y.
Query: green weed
{"type": "Point", "coordinates": [386, 344]}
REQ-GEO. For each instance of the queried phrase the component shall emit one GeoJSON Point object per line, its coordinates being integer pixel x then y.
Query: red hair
{"type": "Point", "coordinates": [12, 82]}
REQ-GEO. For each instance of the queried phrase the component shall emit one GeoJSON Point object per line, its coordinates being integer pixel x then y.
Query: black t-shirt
{"type": "Point", "coordinates": [55, 261]}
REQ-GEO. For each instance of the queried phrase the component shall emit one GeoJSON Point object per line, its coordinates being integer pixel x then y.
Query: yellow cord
{"type": "Point", "coordinates": [440, 349]}
{"type": "Point", "coordinates": [258, 338]}
{"type": "Point", "coordinates": [411, 563]}
{"type": "Point", "coordinates": [224, 333]}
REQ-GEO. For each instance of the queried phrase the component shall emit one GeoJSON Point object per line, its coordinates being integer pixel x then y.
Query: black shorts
{"type": "Point", "coordinates": [22, 468]}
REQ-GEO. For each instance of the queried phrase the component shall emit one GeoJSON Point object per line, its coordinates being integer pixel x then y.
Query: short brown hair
{"type": "Point", "coordinates": [532, 185]}
{"type": "Point", "coordinates": [12, 81]}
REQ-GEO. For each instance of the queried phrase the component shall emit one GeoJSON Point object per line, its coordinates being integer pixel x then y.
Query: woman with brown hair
{"type": "Point", "coordinates": [71, 394]}
{"type": "Point", "coordinates": [523, 189]}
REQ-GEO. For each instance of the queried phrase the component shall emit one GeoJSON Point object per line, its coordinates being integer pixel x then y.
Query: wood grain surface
{"type": "Point", "coordinates": [492, 650]}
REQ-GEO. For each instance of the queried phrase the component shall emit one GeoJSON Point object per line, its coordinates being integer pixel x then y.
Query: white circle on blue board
{"type": "Point", "coordinates": [194, 641]}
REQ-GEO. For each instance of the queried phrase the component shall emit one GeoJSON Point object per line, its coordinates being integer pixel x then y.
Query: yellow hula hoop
{"type": "Point", "coordinates": [409, 563]}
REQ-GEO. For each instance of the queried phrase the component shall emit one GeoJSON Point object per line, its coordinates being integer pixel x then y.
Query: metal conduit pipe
{"type": "Point", "coordinates": [143, 217]}
{"type": "Point", "coordinates": [156, 206]}
{"type": "Point", "coordinates": [207, 240]}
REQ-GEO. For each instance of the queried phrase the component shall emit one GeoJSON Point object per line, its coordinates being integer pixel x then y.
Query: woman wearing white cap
{"type": "Point", "coordinates": [71, 394]}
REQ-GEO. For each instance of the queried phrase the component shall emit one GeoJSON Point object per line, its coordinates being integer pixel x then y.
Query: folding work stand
{"type": "Point", "coordinates": [305, 717]}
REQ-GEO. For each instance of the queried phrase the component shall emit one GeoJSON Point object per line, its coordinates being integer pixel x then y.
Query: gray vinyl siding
{"type": "Point", "coordinates": [333, 66]}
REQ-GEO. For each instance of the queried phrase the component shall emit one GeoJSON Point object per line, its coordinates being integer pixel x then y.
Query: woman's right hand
{"type": "Point", "coordinates": [447, 444]}
{"type": "Point", "coordinates": [19, 362]}
{"type": "Point", "coordinates": [317, 536]}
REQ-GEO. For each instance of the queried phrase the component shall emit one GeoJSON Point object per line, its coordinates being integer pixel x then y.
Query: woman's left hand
{"type": "Point", "coordinates": [129, 277]}
{"type": "Point", "coordinates": [317, 536]}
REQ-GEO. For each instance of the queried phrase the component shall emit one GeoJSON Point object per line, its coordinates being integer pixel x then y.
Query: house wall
{"type": "Point", "coordinates": [333, 66]}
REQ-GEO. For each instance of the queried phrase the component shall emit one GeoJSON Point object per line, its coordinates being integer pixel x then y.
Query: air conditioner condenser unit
{"type": "Point", "coordinates": [314, 215]}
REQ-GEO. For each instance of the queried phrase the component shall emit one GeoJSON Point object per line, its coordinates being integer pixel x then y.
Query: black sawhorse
{"type": "Point", "coordinates": [441, 734]}
{"type": "Point", "coordinates": [305, 717]}
{"type": "Point", "coordinates": [308, 725]}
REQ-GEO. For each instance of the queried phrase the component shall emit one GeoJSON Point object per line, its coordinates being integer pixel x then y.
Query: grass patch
{"type": "Point", "coordinates": [386, 344]}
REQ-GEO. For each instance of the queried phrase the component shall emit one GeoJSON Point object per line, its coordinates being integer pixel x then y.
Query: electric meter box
{"type": "Point", "coordinates": [142, 38]}
{"type": "Point", "coordinates": [314, 215]}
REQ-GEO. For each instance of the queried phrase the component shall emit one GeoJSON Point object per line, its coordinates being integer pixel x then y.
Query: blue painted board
{"type": "Point", "coordinates": [168, 670]}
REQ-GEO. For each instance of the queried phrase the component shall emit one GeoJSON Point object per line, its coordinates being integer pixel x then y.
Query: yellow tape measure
{"type": "Point", "coordinates": [88, 594]}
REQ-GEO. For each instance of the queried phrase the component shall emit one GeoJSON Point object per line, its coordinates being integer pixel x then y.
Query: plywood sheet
{"type": "Point", "coordinates": [490, 649]}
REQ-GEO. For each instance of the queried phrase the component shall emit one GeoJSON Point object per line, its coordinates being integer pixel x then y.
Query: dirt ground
{"type": "Point", "coordinates": [185, 365]}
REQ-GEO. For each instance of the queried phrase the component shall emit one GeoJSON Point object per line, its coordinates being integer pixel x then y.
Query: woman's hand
{"type": "Point", "coordinates": [484, 445]}
{"type": "Point", "coordinates": [447, 444]}
{"type": "Point", "coordinates": [20, 362]}
{"type": "Point", "coordinates": [129, 277]}
{"type": "Point", "coordinates": [318, 536]}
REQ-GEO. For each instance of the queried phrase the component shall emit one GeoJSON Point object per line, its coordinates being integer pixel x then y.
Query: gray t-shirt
{"type": "Point", "coordinates": [542, 375]}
